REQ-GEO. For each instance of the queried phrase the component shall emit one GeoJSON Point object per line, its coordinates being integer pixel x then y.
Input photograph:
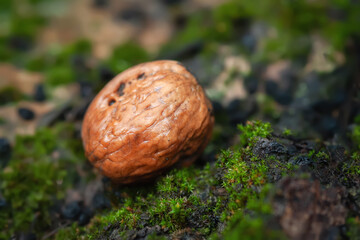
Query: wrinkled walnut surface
{"type": "Point", "coordinates": [147, 119]}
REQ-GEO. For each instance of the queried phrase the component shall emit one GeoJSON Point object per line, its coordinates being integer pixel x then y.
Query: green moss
{"type": "Point", "coordinates": [248, 227]}
{"type": "Point", "coordinates": [355, 133]}
{"type": "Point", "coordinates": [186, 195]}
{"type": "Point", "coordinates": [255, 225]}
{"type": "Point", "coordinates": [287, 132]}
{"type": "Point", "coordinates": [37, 174]}
{"type": "Point", "coordinates": [180, 194]}
{"type": "Point", "coordinates": [10, 95]}
{"type": "Point", "coordinates": [252, 131]}
{"type": "Point", "coordinates": [70, 233]}
{"type": "Point", "coordinates": [354, 228]}
{"type": "Point", "coordinates": [352, 167]}
{"type": "Point", "coordinates": [60, 75]}
{"type": "Point", "coordinates": [183, 181]}
{"type": "Point", "coordinates": [127, 55]}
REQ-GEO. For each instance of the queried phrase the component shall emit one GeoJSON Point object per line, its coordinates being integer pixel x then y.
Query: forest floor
{"type": "Point", "coordinates": [284, 80]}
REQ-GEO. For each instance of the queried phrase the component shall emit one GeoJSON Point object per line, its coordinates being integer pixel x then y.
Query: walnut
{"type": "Point", "coordinates": [147, 119]}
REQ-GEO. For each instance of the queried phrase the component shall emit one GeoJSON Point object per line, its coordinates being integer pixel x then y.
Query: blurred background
{"type": "Point", "coordinates": [295, 64]}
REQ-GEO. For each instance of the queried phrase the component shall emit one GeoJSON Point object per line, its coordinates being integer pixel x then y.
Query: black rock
{"type": "Point", "coordinates": [21, 43]}
{"type": "Point", "coordinates": [85, 89]}
{"type": "Point", "coordinates": [84, 217]}
{"type": "Point", "coordinates": [327, 126]}
{"type": "Point", "coordinates": [78, 62]}
{"type": "Point", "coordinates": [25, 236]}
{"type": "Point", "coordinates": [39, 94]}
{"type": "Point", "coordinates": [172, 2]}
{"type": "Point", "coordinates": [300, 160]}
{"type": "Point", "coordinates": [249, 42]}
{"type": "Point", "coordinates": [329, 105]}
{"type": "Point", "coordinates": [265, 147]}
{"type": "Point", "coordinates": [132, 14]}
{"type": "Point", "coordinates": [180, 21]}
{"type": "Point", "coordinates": [100, 3]}
{"type": "Point", "coordinates": [185, 52]}
{"type": "Point", "coordinates": [240, 110]}
{"type": "Point", "coordinates": [100, 201]}
{"type": "Point", "coordinates": [26, 113]}
{"type": "Point", "coordinates": [106, 74]}
{"type": "Point", "coordinates": [3, 203]}
{"type": "Point", "coordinates": [283, 97]}
{"type": "Point", "coordinates": [141, 233]}
{"type": "Point", "coordinates": [217, 107]}
{"type": "Point", "coordinates": [71, 211]}
{"type": "Point", "coordinates": [251, 84]}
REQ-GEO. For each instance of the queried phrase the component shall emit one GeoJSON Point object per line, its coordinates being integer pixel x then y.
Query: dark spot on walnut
{"type": "Point", "coordinates": [111, 102]}
{"type": "Point", "coordinates": [121, 89]}
{"type": "Point", "coordinates": [141, 76]}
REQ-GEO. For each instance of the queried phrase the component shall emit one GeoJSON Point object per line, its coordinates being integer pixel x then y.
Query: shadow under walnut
{"type": "Point", "coordinates": [147, 119]}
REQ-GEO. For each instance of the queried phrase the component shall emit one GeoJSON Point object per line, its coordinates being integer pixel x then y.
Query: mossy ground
{"type": "Point", "coordinates": [220, 200]}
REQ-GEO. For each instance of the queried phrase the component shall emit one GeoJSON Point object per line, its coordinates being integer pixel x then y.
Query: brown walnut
{"type": "Point", "coordinates": [147, 119]}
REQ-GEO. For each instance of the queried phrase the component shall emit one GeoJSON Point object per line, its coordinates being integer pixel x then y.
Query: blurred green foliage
{"type": "Point", "coordinates": [36, 178]}
{"type": "Point", "coordinates": [127, 55]}
{"type": "Point", "coordinates": [10, 94]}
{"type": "Point", "coordinates": [290, 25]}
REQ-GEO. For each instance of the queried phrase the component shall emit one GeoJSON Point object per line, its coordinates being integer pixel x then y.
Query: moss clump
{"type": "Point", "coordinates": [352, 167]}
{"type": "Point", "coordinates": [257, 224]}
{"type": "Point", "coordinates": [36, 176]}
{"type": "Point", "coordinates": [252, 131]}
{"type": "Point", "coordinates": [196, 198]}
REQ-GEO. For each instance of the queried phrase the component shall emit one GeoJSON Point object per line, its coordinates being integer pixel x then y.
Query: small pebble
{"type": "Point", "coordinates": [84, 217]}
{"type": "Point", "coordinates": [78, 62]}
{"type": "Point", "coordinates": [106, 74]}
{"type": "Point", "coordinates": [327, 126]}
{"type": "Point", "coordinates": [3, 203]}
{"type": "Point", "coordinates": [100, 201]}
{"type": "Point", "coordinates": [100, 3]}
{"type": "Point", "coordinates": [132, 14]}
{"type": "Point", "coordinates": [20, 43]}
{"type": "Point", "coordinates": [141, 233]}
{"type": "Point", "coordinates": [5, 147]}
{"type": "Point", "coordinates": [26, 113]}
{"type": "Point", "coordinates": [39, 94]}
{"type": "Point", "coordinates": [85, 89]}
{"type": "Point", "coordinates": [281, 96]}
{"type": "Point", "coordinates": [71, 211]}
{"type": "Point", "coordinates": [251, 84]}
{"type": "Point", "coordinates": [249, 42]}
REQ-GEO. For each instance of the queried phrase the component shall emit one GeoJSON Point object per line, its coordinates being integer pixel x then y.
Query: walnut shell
{"type": "Point", "coordinates": [148, 118]}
